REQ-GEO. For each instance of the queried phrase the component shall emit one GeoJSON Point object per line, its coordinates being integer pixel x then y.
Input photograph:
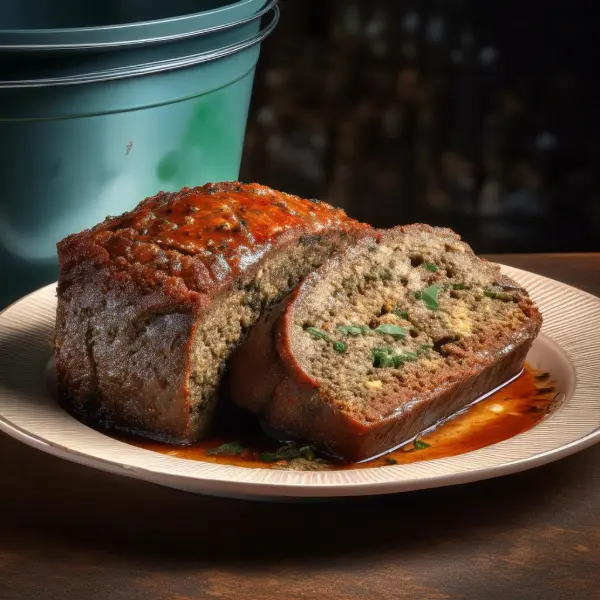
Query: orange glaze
{"type": "Point", "coordinates": [230, 223]}
{"type": "Point", "coordinates": [510, 411]}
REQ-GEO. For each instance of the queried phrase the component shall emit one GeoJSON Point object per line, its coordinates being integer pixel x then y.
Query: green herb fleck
{"type": "Point", "coordinates": [430, 296]}
{"type": "Point", "coordinates": [339, 347]}
{"type": "Point", "coordinates": [289, 452]}
{"type": "Point", "coordinates": [386, 275]}
{"type": "Point", "coordinates": [418, 295]}
{"type": "Point", "coordinates": [353, 330]}
{"type": "Point", "coordinates": [431, 267]}
{"type": "Point", "coordinates": [387, 357]}
{"type": "Point", "coordinates": [424, 348]}
{"type": "Point", "coordinates": [391, 461]}
{"type": "Point", "coordinates": [383, 357]}
{"type": "Point", "coordinates": [399, 312]}
{"type": "Point", "coordinates": [316, 334]}
{"type": "Point", "coordinates": [491, 294]}
{"type": "Point", "coordinates": [269, 457]}
{"type": "Point", "coordinates": [420, 445]}
{"type": "Point", "coordinates": [308, 452]}
{"type": "Point", "coordinates": [227, 449]}
{"type": "Point", "coordinates": [459, 286]}
{"type": "Point", "coordinates": [395, 331]}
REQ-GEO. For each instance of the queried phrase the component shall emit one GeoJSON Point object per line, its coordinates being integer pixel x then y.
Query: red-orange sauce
{"type": "Point", "coordinates": [226, 227]}
{"type": "Point", "coordinates": [514, 409]}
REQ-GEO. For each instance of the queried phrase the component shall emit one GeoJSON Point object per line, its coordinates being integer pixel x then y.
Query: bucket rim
{"type": "Point", "coordinates": [136, 33]}
{"type": "Point", "coordinates": [152, 68]}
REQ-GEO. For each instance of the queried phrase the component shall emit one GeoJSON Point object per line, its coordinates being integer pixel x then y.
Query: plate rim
{"type": "Point", "coordinates": [235, 480]}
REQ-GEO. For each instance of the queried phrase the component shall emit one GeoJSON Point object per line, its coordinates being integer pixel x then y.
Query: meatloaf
{"type": "Point", "coordinates": [383, 341]}
{"type": "Point", "coordinates": [151, 303]}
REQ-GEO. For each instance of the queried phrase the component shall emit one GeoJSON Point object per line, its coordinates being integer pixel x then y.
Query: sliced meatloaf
{"type": "Point", "coordinates": [383, 341]}
{"type": "Point", "coordinates": [151, 303]}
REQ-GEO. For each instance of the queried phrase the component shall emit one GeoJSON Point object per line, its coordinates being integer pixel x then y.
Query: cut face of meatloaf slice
{"type": "Point", "coordinates": [383, 341]}
{"type": "Point", "coordinates": [151, 303]}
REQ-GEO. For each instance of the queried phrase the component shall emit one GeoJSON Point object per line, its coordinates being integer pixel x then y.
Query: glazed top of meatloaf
{"type": "Point", "coordinates": [197, 239]}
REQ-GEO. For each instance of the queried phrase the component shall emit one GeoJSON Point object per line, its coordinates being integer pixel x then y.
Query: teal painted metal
{"type": "Point", "coordinates": [76, 147]}
{"type": "Point", "coordinates": [31, 25]}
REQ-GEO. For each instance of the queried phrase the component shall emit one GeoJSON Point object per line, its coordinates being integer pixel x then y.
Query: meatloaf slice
{"type": "Point", "coordinates": [383, 341]}
{"type": "Point", "coordinates": [151, 303]}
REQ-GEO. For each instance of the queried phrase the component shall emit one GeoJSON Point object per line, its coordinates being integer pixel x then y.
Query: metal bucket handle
{"type": "Point", "coordinates": [166, 38]}
{"type": "Point", "coordinates": [156, 66]}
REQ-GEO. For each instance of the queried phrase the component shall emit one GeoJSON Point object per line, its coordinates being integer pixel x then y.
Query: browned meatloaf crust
{"type": "Point", "coordinates": [151, 303]}
{"type": "Point", "coordinates": [383, 341]}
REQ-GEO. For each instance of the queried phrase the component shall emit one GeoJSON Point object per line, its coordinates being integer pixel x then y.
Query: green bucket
{"type": "Point", "coordinates": [100, 110]}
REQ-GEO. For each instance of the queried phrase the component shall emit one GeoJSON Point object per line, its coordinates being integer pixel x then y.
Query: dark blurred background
{"type": "Point", "coordinates": [480, 115]}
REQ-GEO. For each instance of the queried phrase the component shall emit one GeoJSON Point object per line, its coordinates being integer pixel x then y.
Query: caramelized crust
{"type": "Point", "coordinates": [203, 236]}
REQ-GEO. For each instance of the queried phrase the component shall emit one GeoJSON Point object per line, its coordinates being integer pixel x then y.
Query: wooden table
{"type": "Point", "coordinates": [72, 533]}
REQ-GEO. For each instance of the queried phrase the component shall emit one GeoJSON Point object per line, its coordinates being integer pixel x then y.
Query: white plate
{"type": "Point", "coordinates": [569, 347]}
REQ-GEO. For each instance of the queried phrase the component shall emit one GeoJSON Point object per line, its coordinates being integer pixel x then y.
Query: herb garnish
{"type": "Point", "coordinates": [430, 296]}
{"type": "Point", "coordinates": [491, 294]}
{"type": "Point", "coordinates": [386, 357]}
{"type": "Point", "coordinates": [353, 330]}
{"type": "Point", "coordinates": [497, 295]}
{"type": "Point", "coordinates": [391, 461]}
{"type": "Point", "coordinates": [418, 445]}
{"type": "Point", "coordinates": [431, 267]}
{"type": "Point", "coordinates": [339, 347]}
{"type": "Point", "coordinates": [227, 449]}
{"type": "Point", "coordinates": [289, 452]}
{"type": "Point", "coordinates": [459, 286]}
{"type": "Point", "coordinates": [316, 334]}
{"type": "Point", "coordinates": [399, 312]}
{"type": "Point", "coordinates": [421, 445]}
{"type": "Point", "coordinates": [397, 332]}
{"type": "Point", "coordinates": [319, 334]}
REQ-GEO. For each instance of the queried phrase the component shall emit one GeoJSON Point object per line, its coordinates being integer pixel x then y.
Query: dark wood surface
{"type": "Point", "coordinates": [72, 533]}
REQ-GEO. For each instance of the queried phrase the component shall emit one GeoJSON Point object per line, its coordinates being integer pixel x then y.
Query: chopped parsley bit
{"type": "Point", "coordinates": [339, 347]}
{"type": "Point", "coordinates": [353, 330]}
{"type": "Point", "coordinates": [289, 452]}
{"type": "Point", "coordinates": [395, 331]}
{"type": "Point", "coordinates": [383, 357]}
{"type": "Point", "coordinates": [459, 286]}
{"type": "Point", "coordinates": [431, 267]}
{"type": "Point", "coordinates": [269, 457]}
{"type": "Point", "coordinates": [403, 314]}
{"type": "Point", "coordinates": [430, 296]}
{"type": "Point", "coordinates": [386, 275]}
{"type": "Point", "coordinates": [387, 357]}
{"type": "Point", "coordinates": [491, 294]}
{"type": "Point", "coordinates": [316, 334]}
{"type": "Point", "coordinates": [424, 348]}
{"type": "Point", "coordinates": [420, 445]}
{"type": "Point", "coordinates": [391, 461]}
{"type": "Point", "coordinates": [418, 295]}
{"type": "Point", "coordinates": [227, 449]}
{"type": "Point", "coordinates": [308, 452]}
